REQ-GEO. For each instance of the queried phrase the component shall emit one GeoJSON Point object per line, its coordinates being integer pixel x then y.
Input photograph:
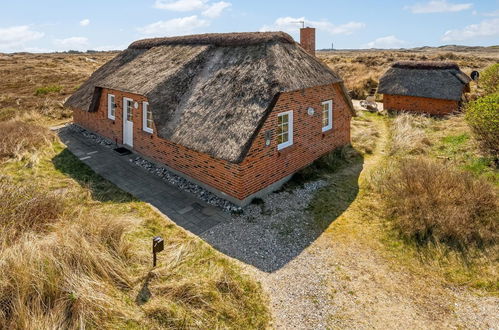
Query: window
{"type": "Point", "coordinates": [146, 118]}
{"type": "Point", "coordinates": [128, 107]}
{"type": "Point", "coordinates": [111, 107]}
{"type": "Point", "coordinates": [327, 115]}
{"type": "Point", "coordinates": [284, 130]}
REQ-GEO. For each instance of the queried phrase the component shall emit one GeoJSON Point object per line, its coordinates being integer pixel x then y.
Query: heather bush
{"type": "Point", "coordinates": [428, 201]}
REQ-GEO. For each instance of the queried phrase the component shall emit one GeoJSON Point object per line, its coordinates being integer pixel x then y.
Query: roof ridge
{"type": "Point", "coordinates": [217, 39]}
{"type": "Point", "coordinates": [425, 65]}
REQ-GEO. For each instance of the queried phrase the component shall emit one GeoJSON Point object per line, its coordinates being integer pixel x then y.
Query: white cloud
{"type": "Point", "coordinates": [17, 36]}
{"type": "Point", "coordinates": [72, 43]}
{"type": "Point", "coordinates": [291, 25]}
{"type": "Point", "coordinates": [109, 47]}
{"type": "Point", "coordinates": [216, 9]}
{"type": "Point", "coordinates": [176, 26]}
{"type": "Point", "coordinates": [386, 42]}
{"type": "Point", "coordinates": [486, 28]}
{"type": "Point", "coordinates": [492, 13]}
{"type": "Point", "coordinates": [438, 6]}
{"type": "Point", "coordinates": [211, 10]}
{"type": "Point", "coordinates": [181, 5]}
{"type": "Point", "coordinates": [85, 22]}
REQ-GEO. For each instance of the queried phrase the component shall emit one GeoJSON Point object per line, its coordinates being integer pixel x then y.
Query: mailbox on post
{"type": "Point", "coordinates": [158, 245]}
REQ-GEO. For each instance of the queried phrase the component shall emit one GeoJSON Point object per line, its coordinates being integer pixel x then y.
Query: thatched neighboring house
{"type": "Point", "coordinates": [237, 113]}
{"type": "Point", "coordinates": [426, 87]}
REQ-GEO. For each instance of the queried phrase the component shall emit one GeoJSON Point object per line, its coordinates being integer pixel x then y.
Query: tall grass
{"type": "Point", "coordinates": [408, 134]}
{"type": "Point", "coordinates": [25, 209]}
{"type": "Point", "coordinates": [68, 262]}
{"type": "Point", "coordinates": [430, 202]}
{"type": "Point", "coordinates": [20, 139]}
{"type": "Point", "coordinates": [58, 268]}
{"type": "Point", "coordinates": [365, 134]}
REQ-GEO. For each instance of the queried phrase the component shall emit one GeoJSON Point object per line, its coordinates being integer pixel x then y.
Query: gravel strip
{"type": "Point", "coordinates": [186, 185]}
{"type": "Point", "coordinates": [270, 234]}
{"type": "Point", "coordinates": [275, 240]}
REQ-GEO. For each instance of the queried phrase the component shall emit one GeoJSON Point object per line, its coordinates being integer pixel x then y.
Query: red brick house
{"type": "Point", "coordinates": [236, 113]}
{"type": "Point", "coordinates": [435, 88]}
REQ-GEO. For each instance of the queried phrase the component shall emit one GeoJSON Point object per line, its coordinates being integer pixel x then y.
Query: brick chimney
{"type": "Point", "coordinates": [307, 39]}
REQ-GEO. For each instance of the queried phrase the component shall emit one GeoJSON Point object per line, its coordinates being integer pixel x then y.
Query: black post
{"type": "Point", "coordinates": [158, 245]}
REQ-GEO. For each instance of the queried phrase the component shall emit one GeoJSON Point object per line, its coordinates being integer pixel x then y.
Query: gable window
{"type": "Point", "coordinates": [111, 107]}
{"type": "Point", "coordinates": [327, 115]}
{"type": "Point", "coordinates": [284, 129]}
{"type": "Point", "coordinates": [146, 118]}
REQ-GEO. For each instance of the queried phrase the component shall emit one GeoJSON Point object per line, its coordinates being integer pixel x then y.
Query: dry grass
{"type": "Point", "coordinates": [20, 140]}
{"type": "Point", "coordinates": [68, 261]}
{"type": "Point", "coordinates": [361, 70]}
{"type": "Point", "coordinates": [430, 202]}
{"type": "Point", "coordinates": [25, 208]}
{"type": "Point", "coordinates": [364, 133]}
{"type": "Point", "coordinates": [59, 267]}
{"type": "Point", "coordinates": [408, 134]}
{"type": "Point", "coordinates": [41, 82]}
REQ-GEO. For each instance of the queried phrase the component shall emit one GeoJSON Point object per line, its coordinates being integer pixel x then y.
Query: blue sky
{"type": "Point", "coordinates": [56, 25]}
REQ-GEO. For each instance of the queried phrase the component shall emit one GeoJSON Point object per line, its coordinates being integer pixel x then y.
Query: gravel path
{"type": "Point", "coordinates": [319, 280]}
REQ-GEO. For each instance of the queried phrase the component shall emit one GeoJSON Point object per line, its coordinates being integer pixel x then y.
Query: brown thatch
{"type": "Point", "coordinates": [436, 80]}
{"type": "Point", "coordinates": [216, 39]}
{"type": "Point", "coordinates": [206, 97]}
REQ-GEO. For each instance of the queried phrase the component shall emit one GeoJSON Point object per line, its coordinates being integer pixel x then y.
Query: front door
{"type": "Point", "coordinates": [128, 121]}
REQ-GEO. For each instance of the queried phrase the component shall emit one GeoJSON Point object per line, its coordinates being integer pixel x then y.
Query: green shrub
{"type": "Point", "coordinates": [48, 89]}
{"type": "Point", "coordinates": [489, 79]}
{"type": "Point", "coordinates": [483, 117]}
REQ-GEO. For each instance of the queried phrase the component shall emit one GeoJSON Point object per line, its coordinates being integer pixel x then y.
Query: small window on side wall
{"type": "Point", "coordinates": [146, 118]}
{"type": "Point", "coordinates": [284, 129]}
{"type": "Point", "coordinates": [327, 115]}
{"type": "Point", "coordinates": [111, 107]}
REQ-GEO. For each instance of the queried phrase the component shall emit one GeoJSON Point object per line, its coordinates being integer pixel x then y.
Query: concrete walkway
{"type": "Point", "coordinates": [181, 207]}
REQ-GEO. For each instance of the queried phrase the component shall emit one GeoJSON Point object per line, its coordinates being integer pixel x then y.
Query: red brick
{"type": "Point", "coordinates": [262, 166]}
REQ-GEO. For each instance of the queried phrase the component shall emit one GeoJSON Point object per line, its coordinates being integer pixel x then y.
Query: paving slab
{"type": "Point", "coordinates": [181, 207]}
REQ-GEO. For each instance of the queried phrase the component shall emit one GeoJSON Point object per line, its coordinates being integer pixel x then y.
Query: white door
{"type": "Point", "coordinates": [128, 121]}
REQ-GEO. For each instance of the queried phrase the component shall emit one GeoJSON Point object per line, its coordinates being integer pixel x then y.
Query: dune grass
{"type": "Point", "coordinates": [19, 140]}
{"type": "Point", "coordinates": [437, 198]}
{"type": "Point", "coordinates": [76, 253]}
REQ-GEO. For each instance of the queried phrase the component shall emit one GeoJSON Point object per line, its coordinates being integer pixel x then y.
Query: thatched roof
{"type": "Point", "coordinates": [437, 80]}
{"type": "Point", "coordinates": [216, 39]}
{"type": "Point", "coordinates": [210, 92]}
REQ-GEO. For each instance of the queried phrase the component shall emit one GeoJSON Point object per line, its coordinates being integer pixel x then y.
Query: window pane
{"type": "Point", "coordinates": [285, 137]}
{"type": "Point", "coordinates": [129, 110]}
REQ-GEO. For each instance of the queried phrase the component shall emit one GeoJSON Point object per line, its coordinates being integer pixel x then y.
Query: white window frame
{"type": "Point", "coordinates": [330, 115]}
{"type": "Point", "coordinates": [145, 105]}
{"type": "Point", "coordinates": [290, 130]}
{"type": "Point", "coordinates": [111, 106]}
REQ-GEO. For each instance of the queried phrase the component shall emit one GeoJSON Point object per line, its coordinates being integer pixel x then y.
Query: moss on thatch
{"type": "Point", "coordinates": [210, 92]}
{"type": "Point", "coordinates": [437, 80]}
{"type": "Point", "coordinates": [216, 39]}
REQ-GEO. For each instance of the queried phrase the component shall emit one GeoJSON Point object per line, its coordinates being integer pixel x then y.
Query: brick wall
{"type": "Point", "coordinates": [419, 104]}
{"type": "Point", "coordinates": [262, 166]}
{"type": "Point", "coordinates": [265, 165]}
{"type": "Point", "coordinates": [307, 39]}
